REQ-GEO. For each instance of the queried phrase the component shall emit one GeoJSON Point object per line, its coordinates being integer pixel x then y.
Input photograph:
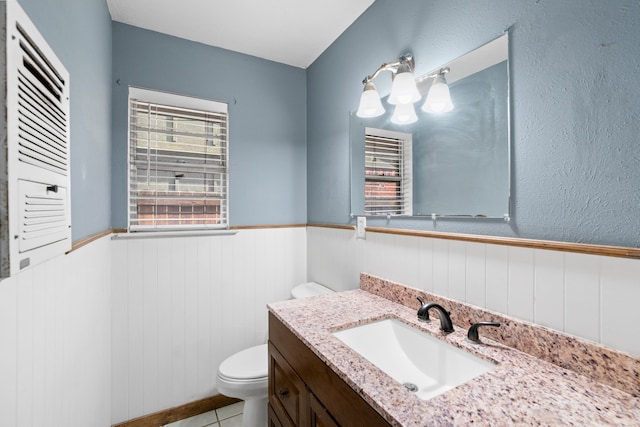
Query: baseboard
{"type": "Point", "coordinates": [181, 412]}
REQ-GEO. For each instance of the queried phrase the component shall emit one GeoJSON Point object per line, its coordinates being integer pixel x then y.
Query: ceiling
{"type": "Point", "coordinates": [293, 32]}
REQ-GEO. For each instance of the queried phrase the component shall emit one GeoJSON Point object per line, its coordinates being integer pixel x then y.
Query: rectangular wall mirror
{"type": "Point", "coordinates": [453, 164]}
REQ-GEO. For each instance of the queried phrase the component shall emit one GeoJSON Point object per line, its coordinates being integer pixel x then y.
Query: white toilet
{"type": "Point", "coordinates": [244, 375]}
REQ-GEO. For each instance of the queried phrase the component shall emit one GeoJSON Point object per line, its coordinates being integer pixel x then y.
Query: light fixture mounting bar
{"type": "Point", "coordinates": [441, 71]}
{"type": "Point", "coordinates": [407, 59]}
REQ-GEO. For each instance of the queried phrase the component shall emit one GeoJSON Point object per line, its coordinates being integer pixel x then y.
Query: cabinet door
{"type": "Point", "coordinates": [320, 417]}
{"type": "Point", "coordinates": [287, 392]}
{"type": "Point", "coordinates": [273, 418]}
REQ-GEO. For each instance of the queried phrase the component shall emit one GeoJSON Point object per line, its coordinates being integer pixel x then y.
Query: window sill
{"type": "Point", "coordinates": [159, 234]}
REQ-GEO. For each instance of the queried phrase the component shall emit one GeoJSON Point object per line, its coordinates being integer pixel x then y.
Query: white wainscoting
{"type": "Point", "coordinates": [55, 341]}
{"type": "Point", "coordinates": [118, 329]}
{"type": "Point", "coordinates": [183, 304]}
{"type": "Point", "coordinates": [589, 296]}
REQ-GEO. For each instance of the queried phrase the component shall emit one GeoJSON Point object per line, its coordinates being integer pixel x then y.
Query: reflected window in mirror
{"type": "Point", "coordinates": [388, 172]}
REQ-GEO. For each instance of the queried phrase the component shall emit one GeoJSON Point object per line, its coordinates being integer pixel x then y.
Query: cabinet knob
{"type": "Point", "coordinates": [283, 393]}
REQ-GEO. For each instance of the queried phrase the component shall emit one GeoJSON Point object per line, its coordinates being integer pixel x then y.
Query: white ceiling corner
{"type": "Point", "coordinates": [293, 32]}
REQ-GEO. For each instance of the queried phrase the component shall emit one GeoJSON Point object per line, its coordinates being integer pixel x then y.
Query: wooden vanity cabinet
{"type": "Point", "coordinates": [320, 417]}
{"type": "Point", "coordinates": [303, 391]}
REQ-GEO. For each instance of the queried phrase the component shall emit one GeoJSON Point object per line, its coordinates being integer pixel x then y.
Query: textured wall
{"type": "Point", "coordinates": [575, 109]}
{"type": "Point", "coordinates": [79, 31]}
{"type": "Point", "coordinates": [267, 121]}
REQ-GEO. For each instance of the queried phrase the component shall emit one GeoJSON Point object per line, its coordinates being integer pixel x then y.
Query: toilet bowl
{"type": "Point", "coordinates": [244, 375]}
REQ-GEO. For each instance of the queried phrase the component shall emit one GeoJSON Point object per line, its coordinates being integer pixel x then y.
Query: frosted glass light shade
{"type": "Point", "coordinates": [439, 98]}
{"type": "Point", "coordinates": [370, 105]}
{"type": "Point", "coordinates": [404, 114]}
{"type": "Point", "coordinates": [404, 89]}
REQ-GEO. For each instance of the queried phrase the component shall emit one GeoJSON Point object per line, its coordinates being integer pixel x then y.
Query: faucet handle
{"type": "Point", "coordinates": [473, 336]}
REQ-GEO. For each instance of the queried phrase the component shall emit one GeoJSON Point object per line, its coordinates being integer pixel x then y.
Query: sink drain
{"type": "Point", "coordinates": [411, 387]}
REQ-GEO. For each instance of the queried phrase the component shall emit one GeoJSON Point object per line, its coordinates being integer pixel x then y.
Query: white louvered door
{"type": "Point", "coordinates": [36, 196]}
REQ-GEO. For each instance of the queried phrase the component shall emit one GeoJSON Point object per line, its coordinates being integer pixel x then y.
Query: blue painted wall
{"type": "Point", "coordinates": [267, 119]}
{"type": "Point", "coordinates": [79, 31]}
{"type": "Point", "coordinates": [575, 105]}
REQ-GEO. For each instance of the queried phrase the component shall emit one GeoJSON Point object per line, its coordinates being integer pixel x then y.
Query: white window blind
{"type": "Point", "coordinates": [178, 157]}
{"type": "Point", "coordinates": [388, 166]}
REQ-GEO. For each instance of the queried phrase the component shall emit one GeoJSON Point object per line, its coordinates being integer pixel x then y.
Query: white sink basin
{"type": "Point", "coordinates": [413, 357]}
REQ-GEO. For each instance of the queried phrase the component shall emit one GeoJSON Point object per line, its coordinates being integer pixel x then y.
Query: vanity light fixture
{"type": "Point", "coordinates": [404, 91]}
{"type": "Point", "coordinates": [370, 104]}
{"type": "Point", "coordinates": [438, 98]}
{"type": "Point", "coordinates": [404, 114]}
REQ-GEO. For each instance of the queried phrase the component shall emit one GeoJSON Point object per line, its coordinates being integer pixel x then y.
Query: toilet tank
{"type": "Point", "coordinates": [309, 289]}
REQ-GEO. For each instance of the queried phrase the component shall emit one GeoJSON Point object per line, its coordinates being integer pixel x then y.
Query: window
{"type": "Point", "coordinates": [388, 170]}
{"type": "Point", "coordinates": [178, 157]}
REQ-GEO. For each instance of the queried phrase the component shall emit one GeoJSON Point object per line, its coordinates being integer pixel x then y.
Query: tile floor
{"type": "Point", "coordinates": [229, 416]}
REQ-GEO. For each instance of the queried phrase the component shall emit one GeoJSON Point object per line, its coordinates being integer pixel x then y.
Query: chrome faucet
{"type": "Point", "coordinates": [445, 320]}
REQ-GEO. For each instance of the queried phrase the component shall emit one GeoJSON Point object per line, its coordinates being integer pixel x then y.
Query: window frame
{"type": "Point", "coordinates": [185, 102]}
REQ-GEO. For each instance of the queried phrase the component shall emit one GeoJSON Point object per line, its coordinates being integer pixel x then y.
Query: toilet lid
{"type": "Point", "coordinates": [309, 289]}
{"type": "Point", "coordinates": [246, 364]}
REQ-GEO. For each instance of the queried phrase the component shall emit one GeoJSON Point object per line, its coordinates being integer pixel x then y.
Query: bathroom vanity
{"type": "Point", "coordinates": [304, 391]}
{"type": "Point", "coordinates": [317, 380]}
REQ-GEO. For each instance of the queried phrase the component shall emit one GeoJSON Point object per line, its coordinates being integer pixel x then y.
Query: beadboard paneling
{"type": "Point", "coordinates": [182, 305]}
{"type": "Point", "coordinates": [55, 341]}
{"type": "Point", "coordinates": [145, 319]}
{"type": "Point", "coordinates": [589, 296]}
{"type": "Point", "coordinates": [620, 294]}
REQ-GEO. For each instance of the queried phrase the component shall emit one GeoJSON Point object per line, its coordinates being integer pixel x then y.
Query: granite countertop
{"type": "Point", "coordinates": [520, 390]}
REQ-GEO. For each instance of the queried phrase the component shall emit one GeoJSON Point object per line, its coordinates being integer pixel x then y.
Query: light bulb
{"type": "Point", "coordinates": [404, 114]}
